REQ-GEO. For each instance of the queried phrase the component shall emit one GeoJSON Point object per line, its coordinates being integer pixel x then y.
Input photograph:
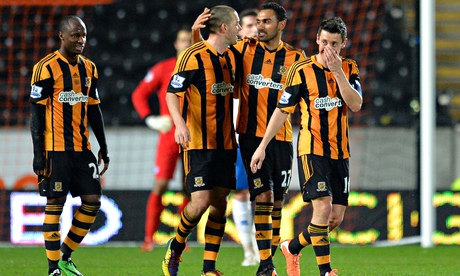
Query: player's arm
{"type": "Point", "coordinates": [41, 88]}
{"type": "Point", "coordinates": [182, 133]}
{"type": "Point", "coordinates": [351, 92]}
{"type": "Point", "coordinates": [276, 122]}
{"type": "Point", "coordinates": [96, 121]}
{"type": "Point", "coordinates": [37, 128]}
{"type": "Point", "coordinates": [200, 24]}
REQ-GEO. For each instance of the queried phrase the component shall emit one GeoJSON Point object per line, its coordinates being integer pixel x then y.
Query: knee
{"type": "Point", "coordinates": [334, 222]}
{"type": "Point", "coordinates": [91, 199]}
{"type": "Point", "coordinates": [266, 196]}
{"type": "Point", "coordinates": [56, 200]}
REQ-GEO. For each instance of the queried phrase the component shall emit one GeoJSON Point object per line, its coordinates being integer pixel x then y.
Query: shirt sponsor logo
{"type": "Point", "coordinates": [36, 91]}
{"type": "Point", "coordinates": [72, 98]}
{"type": "Point", "coordinates": [222, 88]}
{"type": "Point", "coordinates": [285, 98]}
{"type": "Point", "coordinates": [327, 103]}
{"type": "Point", "coordinates": [177, 81]}
{"type": "Point", "coordinates": [258, 81]}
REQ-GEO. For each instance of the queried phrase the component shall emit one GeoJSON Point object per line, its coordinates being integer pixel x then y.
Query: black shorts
{"type": "Point", "coordinates": [76, 172]}
{"type": "Point", "coordinates": [276, 171]}
{"type": "Point", "coordinates": [320, 176]}
{"type": "Point", "coordinates": [205, 169]}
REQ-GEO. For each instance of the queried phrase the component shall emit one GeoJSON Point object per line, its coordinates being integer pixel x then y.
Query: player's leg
{"type": "Point", "coordinates": [281, 153]}
{"type": "Point", "coordinates": [55, 188]}
{"type": "Point", "coordinates": [85, 182]}
{"type": "Point", "coordinates": [196, 165]}
{"type": "Point", "coordinates": [261, 190]}
{"type": "Point", "coordinates": [222, 174]}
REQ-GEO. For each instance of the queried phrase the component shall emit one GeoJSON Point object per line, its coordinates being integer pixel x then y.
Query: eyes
{"type": "Point", "coordinates": [77, 36]}
{"type": "Point", "coordinates": [333, 43]}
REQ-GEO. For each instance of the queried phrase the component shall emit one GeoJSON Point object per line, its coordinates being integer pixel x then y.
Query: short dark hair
{"type": "Point", "coordinates": [334, 25]}
{"type": "Point", "coordinates": [64, 24]}
{"type": "Point", "coordinates": [219, 15]}
{"type": "Point", "coordinates": [279, 10]}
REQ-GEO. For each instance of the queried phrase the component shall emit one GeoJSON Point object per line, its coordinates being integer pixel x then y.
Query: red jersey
{"type": "Point", "coordinates": [157, 79]}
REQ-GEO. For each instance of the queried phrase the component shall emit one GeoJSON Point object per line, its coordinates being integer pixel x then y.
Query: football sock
{"type": "Point", "coordinates": [276, 224]}
{"type": "Point", "coordinates": [264, 233]}
{"type": "Point", "coordinates": [213, 233]}
{"type": "Point", "coordinates": [186, 226]}
{"type": "Point", "coordinates": [152, 215]}
{"type": "Point", "coordinates": [52, 235]}
{"type": "Point", "coordinates": [299, 242]}
{"type": "Point", "coordinates": [321, 245]}
{"type": "Point", "coordinates": [81, 223]}
{"type": "Point", "coordinates": [242, 216]}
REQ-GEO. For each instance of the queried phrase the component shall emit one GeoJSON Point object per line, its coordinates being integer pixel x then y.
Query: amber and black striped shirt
{"type": "Point", "coordinates": [204, 80]}
{"type": "Point", "coordinates": [66, 90]}
{"type": "Point", "coordinates": [324, 120]}
{"type": "Point", "coordinates": [263, 75]}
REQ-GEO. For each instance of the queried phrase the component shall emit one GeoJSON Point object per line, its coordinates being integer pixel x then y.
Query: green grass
{"type": "Point", "coordinates": [350, 260]}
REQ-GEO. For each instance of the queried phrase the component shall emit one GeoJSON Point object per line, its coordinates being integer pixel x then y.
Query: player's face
{"type": "Point", "coordinates": [183, 40]}
{"type": "Point", "coordinates": [334, 41]}
{"type": "Point", "coordinates": [73, 38]}
{"type": "Point", "coordinates": [268, 25]}
{"type": "Point", "coordinates": [248, 26]}
{"type": "Point", "coordinates": [232, 29]}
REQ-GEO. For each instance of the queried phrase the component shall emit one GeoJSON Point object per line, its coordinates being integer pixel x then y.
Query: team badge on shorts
{"type": "Point", "coordinates": [257, 183]}
{"type": "Point", "coordinates": [57, 187]}
{"type": "Point", "coordinates": [321, 187]}
{"type": "Point", "coordinates": [199, 181]}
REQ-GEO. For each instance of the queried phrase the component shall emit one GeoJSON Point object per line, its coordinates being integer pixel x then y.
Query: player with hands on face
{"type": "Point", "coordinates": [326, 87]}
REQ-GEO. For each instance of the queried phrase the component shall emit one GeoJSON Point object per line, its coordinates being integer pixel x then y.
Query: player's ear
{"type": "Point", "coordinates": [61, 36]}
{"type": "Point", "coordinates": [344, 43]}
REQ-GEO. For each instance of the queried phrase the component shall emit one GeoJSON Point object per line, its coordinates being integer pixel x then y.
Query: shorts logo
{"type": "Point", "coordinates": [177, 81]}
{"type": "Point", "coordinates": [257, 183]}
{"type": "Point", "coordinates": [321, 187]}
{"type": "Point", "coordinates": [199, 181]}
{"type": "Point", "coordinates": [57, 187]}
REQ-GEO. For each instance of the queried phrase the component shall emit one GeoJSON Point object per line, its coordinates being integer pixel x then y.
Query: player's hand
{"type": "Point", "coordinates": [39, 164]}
{"type": "Point", "coordinates": [161, 123]}
{"type": "Point", "coordinates": [103, 156]}
{"type": "Point", "coordinates": [257, 159]}
{"type": "Point", "coordinates": [182, 135]}
{"type": "Point", "coordinates": [333, 60]}
{"type": "Point", "coordinates": [201, 20]}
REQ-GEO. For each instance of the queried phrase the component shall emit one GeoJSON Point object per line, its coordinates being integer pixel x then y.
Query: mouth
{"type": "Point", "coordinates": [80, 48]}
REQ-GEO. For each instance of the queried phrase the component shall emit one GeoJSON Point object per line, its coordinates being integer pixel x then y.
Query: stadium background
{"type": "Point", "coordinates": [125, 39]}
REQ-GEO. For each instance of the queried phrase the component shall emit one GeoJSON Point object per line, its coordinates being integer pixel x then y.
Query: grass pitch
{"type": "Point", "coordinates": [349, 260]}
